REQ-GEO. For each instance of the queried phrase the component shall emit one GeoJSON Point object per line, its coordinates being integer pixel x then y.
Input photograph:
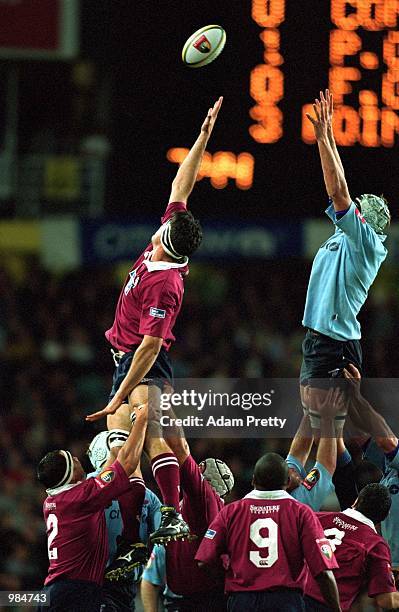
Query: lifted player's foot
{"type": "Point", "coordinates": [128, 556]}
{"type": "Point", "coordinates": [172, 527]}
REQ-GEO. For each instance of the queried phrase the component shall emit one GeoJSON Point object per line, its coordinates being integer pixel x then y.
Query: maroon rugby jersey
{"type": "Point", "coordinates": [199, 507]}
{"type": "Point", "coordinates": [268, 536]}
{"type": "Point", "coordinates": [76, 529]}
{"type": "Point", "coordinates": [363, 557]}
{"type": "Point", "coordinates": [150, 299]}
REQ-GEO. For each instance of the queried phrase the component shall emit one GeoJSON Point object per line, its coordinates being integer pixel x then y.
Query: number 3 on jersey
{"type": "Point", "coordinates": [52, 524]}
{"type": "Point", "coordinates": [270, 542]}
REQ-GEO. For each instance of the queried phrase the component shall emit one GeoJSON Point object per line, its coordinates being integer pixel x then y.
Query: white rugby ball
{"type": "Point", "coordinates": [204, 46]}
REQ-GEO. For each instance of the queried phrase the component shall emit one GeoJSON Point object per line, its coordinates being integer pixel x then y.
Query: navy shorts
{"type": "Point", "coordinates": [160, 374]}
{"type": "Point", "coordinates": [283, 600]}
{"type": "Point", "coordinates": [325, 358]}
{"type": "Point", "coordinates": [73, 596]}
{"type": "Point", "coordinates": [312, 605]}
{"type": "Point", "coordinates": [119, 595]}
{"type": "Point", "coordinates": [198, 602]}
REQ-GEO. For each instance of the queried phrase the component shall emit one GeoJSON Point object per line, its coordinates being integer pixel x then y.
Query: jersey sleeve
{"type": "Point", "coordinates": [99, 491]}
{"type": "Point", "coordinates": [380, 576]}
{"type": "Point", "coordinates": [159, 301]}
{"type": "Point", "coordinates": [154, 512]}
{"type": "Point", "coordinates": [293, 462]}
{"type": "Point", "coordinates": [214, 542]}
{"type": "Point", "coordinates": [172, 208]}
{"type": "Point", "coordinates": [315, 488]}
{"type": "Point", "coordinates": [316, 547]}
{"type": "Point", "coordinates": [203, 498]}
{"type": "Point", "coordinates": [356, 228]}
{"type": "Point", "coordinates": [155, 571]}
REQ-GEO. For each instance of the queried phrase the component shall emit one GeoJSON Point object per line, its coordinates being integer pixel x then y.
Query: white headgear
{"type": "Point", "coordinates": [375, 210]}
{"type": "Point", "coordinates": [219, 475]}
{"type": "Point", "coordinates": [102, 443]}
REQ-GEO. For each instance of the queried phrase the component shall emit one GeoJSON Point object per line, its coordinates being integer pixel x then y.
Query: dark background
{"type": "Point", "coordinates": [158, 103]}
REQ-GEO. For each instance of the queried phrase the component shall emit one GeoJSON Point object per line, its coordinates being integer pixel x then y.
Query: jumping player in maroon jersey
{"type": "Point", "coordinates": [268, 536]}
{"type": "Point", "coordinates": [75, 520]}
{"type": "Point", "coordinates": [141, 334]}
{"type": "Point", "coordinates": [363, 556]}
{"type": "Point", "coordinates": [203, 488]}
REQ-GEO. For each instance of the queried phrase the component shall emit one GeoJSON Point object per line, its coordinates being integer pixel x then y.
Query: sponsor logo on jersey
{"type": "Point", "coordinates": [325, 548]}
{"type": "Point", "coordinates": [132, 282]}
{"type": "Point", "coordinates": [210, 534]}
{"type": "Point", "coordinates": [357, 213]}
{"type": "Point", "coordinates": [51, 506]}
{"type": "Point", "coordinates": [106, 477]}
{"type": "Point", "coordinates": [157, 312]}
{"type": "Point", "coordinates": [311, 479]}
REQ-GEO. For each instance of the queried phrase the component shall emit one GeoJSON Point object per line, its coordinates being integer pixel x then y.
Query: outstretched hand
{"type": "Point", "coordinates": [323, 109]}
{"type": "Point", "coordinates": [110, 408]}
{"type": "Point", "coordinates": [211, 117]}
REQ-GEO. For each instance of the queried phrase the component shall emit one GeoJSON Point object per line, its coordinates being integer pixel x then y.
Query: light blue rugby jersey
{"type": "Point", "coordinates": [155, 571]}
{"type": "Point", "coordinates": [343, 271]}
{"type": "Point", "coordinates": [390, 527]}
{"type": "Point", "coordinates": [316, 495]}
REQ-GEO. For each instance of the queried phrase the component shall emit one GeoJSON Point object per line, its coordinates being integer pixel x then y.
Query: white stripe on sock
{"type": "Point", "coordinates": [162, 459]}
{"type": "Point", "coordinates": [154, 469]}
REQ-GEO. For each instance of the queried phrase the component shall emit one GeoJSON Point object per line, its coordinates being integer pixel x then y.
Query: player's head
{"type": "Point", "coordinates": [59, 468]}
{"type": "Point", "coordinates": [179, 237]}
{"type": "Point", "coordinates": [375, 210]}
{"type": "Point", "coordinates": [218, 474]}
{"type": "Point", "coordinates": [374, 501]}
{"type": "Point", "coordinates": [366, 473]}
{"type": "Point", "coordinates": [270, 473]}
{"type": "Point", "coordinates": [100, 447]}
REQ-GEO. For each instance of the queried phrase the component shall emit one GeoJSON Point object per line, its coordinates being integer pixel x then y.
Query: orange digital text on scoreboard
{"type": "Point", "coordinates": [371, 123]}
{"type": "Point", "coordinates": [221, 166]}
{"type": "Point", "coordinates": [267, 79]}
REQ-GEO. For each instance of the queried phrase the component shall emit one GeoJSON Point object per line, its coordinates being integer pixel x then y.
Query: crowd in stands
{"type": "Point", "coordinates": [238, 320]}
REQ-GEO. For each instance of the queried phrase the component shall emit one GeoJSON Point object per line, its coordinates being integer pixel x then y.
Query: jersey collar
{"type": "Point", "coordinates": [57, 490]}
{"type": "Point", "coordinates": [358, 516]}
{"type": "Point", "coordinates": [279, 494]}
{"type": "Point", "coordinates": [153, 266]}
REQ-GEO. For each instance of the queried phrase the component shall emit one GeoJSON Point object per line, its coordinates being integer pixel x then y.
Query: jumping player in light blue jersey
{"type": "Point", "coordinates": [344, 268]}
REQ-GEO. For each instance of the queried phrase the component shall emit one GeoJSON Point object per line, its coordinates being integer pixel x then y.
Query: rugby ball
{"type": "Point", "coordinates": [204, 46]}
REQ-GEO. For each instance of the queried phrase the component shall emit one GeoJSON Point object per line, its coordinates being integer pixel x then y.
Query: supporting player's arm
{"type": "Point", "coordinates": [143, 360]}
{"type": "Point", "coordinates": [130, 453]}
{"type": "Point", "coordinates": [186, 176]}
{"type": "Point", "coordinates": [149, 595]}
{"type": "Point", "coordinates": [388, 601]}
{"type": "Point", "coordinates": [329, 590]}
{"type": "Point", "coordinates": [302, 443]}
{"type": "Point", "coordinates": [333, 172]}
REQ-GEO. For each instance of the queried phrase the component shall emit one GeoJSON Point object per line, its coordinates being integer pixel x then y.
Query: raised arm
{"type": "Point", "coordinates": [186, 176]}
{"type": "Point", "coordinates": [130, 453]}
{"type": "Point", "coordinates": [334, 176]}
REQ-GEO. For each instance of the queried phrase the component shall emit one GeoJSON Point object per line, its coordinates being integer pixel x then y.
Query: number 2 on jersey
{"type": "Point", "coordinates": [52, 523]}
{"type": "Point", "coordinates": [271, 542]}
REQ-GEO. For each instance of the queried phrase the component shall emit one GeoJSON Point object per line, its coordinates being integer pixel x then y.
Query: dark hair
{"type": "Point", "coordinates": [51, 469]}
{"type": "Point", "coordinates": [374, 502]}
{"type": "Point", "coordinates": [185, 233]}
{"type": "Point", "coordinates": [366, 473]}
{"type": "Point", "coordinates": [271, 472]}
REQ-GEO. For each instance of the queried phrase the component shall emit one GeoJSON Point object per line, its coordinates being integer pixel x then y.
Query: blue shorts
{"type": "Point", "coordinates": [325, 358]}
{"type": "Point", "coordinates": [283, 600]}
{"type": "Point", "coordinates": [160, 374]}
{"type": "Point", "coordinates": [312, 605]}
{"type": "Point", "coordinates": [72, 596]}
{"type": "Point", "coordinates": [119, 595]}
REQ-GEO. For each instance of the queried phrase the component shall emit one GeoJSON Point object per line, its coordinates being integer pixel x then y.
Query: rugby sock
{"type": "Point", "coordinates": [131, 504]}
{"type": "Point", "coordinates": [165, 469]}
